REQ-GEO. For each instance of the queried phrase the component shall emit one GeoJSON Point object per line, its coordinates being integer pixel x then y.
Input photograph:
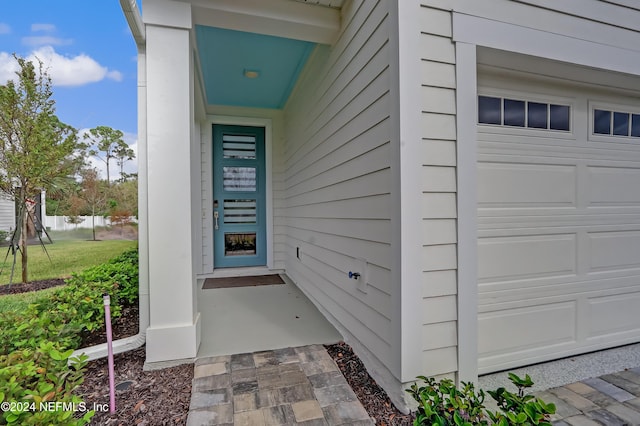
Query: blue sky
{"type": "Point", "coordinates": [91, 57]}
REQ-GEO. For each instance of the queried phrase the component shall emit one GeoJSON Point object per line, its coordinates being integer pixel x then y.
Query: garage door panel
{"type": "Point", "coordinates": [525, 329]}
{"type": "Point", "coordinates": [518, 257]}
{"type": "Point", "coordinates": [558, 216]}
{"type": "Point", "coordinates": [616, 314]}
{"type": "Point", "coordinates": [521, 185]}
{"type": "Point", "coordinates": [612, 251]}
{"type": "Point", "coordinates": [555, 150]}
{"type": "Point", "coordinates": [613, 186]}
{"type": "Point", "coordinates": [512, 294]}
{"type": "Point", "coordinates": [503, 222]}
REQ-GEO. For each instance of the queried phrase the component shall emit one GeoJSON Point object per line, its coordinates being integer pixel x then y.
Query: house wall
{"type": "Point", "coordinates": [7, 213]}
{"type": "Point", "coordinates": [230, 115]}
{"type": "Point", "coordinates": [337, 160]}
{"type": "Point", "coordinates": [449, 282]}
{"type": "Point", "coordinates": [438, 193]}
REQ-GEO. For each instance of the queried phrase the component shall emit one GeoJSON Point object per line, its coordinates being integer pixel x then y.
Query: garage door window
{"type": "Point", "coordinates": [616, 123]}
{"type": "Point", "coordinates": [521, 113]}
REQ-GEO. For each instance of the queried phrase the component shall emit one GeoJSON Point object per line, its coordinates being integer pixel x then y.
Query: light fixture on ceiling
{"type": "Point", "coordinates": [251, 73]}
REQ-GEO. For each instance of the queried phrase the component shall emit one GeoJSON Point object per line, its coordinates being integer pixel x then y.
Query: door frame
{"type": "Point", "coordinates": [207, 207]}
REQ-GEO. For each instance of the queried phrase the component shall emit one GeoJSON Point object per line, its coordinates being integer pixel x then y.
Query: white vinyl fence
{"type": "Point", "coordinates": [61, 223]}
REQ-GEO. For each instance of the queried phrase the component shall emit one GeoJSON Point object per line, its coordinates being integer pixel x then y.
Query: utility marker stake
{"type": "Point", "coordinates": [112, 386]}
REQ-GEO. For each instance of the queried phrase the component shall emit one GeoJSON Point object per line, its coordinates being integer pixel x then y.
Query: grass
{"type": "Point", "coordinates": [66, 257]}
{"type": "Point", "coordinates": [19, 302]}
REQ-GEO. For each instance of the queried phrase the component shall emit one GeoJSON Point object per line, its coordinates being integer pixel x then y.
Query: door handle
{"type": "Point", "coordinates": [215, 216]}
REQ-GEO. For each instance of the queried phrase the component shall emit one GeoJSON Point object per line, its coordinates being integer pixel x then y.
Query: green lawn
{"type": "Point", "coordinates": [19, 302]}
{"type": "Point", "coordinates": [66, 257]}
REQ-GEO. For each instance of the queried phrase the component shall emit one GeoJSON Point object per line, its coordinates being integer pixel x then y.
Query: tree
{"type": "Point", "coordinates": [93, 193]}
{"type": "Point", "coordinates": [123, 154]}
{"type": "Point", "coordinates": [104, 139]}
{"type": "Point", "coordinates": [36, 148]}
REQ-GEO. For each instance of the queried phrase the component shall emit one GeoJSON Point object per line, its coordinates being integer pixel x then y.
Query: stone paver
{"type": "Point", "coordinates": [304, 386]}
{"type": "Point", "coordinates": [290, 386]}
{"type": "Point", "coordinates": [612, 399]}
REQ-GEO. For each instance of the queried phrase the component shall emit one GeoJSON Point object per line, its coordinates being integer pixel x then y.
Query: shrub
{"type": "Point", "coordinates": [122, 271]}
{"type": "Point", "coordinates": [35, 345]}
{"type": "Point", "coordinates": [39, 385]}
{"type": "Point", "coordinates": [442, 403]}
{"type": "Point", "coordinates": [27, 330]}
{"type": "Point", "coordinates": [520, 408]}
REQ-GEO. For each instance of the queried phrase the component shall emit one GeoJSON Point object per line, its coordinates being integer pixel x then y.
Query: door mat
{"type": "Point", "coordinates": [230, 282]}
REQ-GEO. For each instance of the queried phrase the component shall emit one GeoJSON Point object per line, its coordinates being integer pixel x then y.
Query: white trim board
{"type": "Point", "coordinates": [515, 38]}
{"type": "Point", "coordinates": [268, 140]}
{"type": "Point", "coordinates": [467, 216]}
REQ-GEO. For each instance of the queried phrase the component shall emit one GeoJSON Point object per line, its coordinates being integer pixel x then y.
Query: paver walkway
{"type": "Point", "coordinates": [288, 386]}
{"type": "Point", "coordinates": [611, 400]}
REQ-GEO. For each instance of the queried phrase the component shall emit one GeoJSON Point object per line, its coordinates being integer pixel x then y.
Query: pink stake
{"type": "Point", "coordinates": [112, 386]}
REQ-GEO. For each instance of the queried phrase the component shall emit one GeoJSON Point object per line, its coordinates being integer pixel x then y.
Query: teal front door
{"type": "Point", "coordinates": [239, 211]}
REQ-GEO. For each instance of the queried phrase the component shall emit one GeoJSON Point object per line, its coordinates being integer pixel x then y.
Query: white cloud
{"type": "Point", "coordinates": [64, 70]}
{"type": "Point", "coordinates": [8, 67]}
{"type": "Point", "coordinates": [46, 40]}
{"type": "Point", "coordinates": [69, 71]}
{"type": "Point", "coordinates": [114, 75]}
{"type": "Point", "coordinates": [4, 28]}
{"type": "Point", "coordinates": [48, 28]}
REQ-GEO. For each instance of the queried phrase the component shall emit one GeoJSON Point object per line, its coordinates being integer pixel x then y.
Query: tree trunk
{"type": "Point", "coordinates": [93, 222]}
{"type": "Point", "coordinates": [23, 244]}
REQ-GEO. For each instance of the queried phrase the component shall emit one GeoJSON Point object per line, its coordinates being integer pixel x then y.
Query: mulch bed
{"type": "Point", "coordinates": [158, 397]}
{"type": "Point", "coordinates": [32, 286]}
{"type": "Point", "coordinates": [162, 397]}
{"type": "Point", "coordinates": [371, 395]}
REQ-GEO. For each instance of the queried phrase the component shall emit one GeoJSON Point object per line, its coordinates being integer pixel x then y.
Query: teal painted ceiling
{"type": "Point", "coordinates": [225, 56]}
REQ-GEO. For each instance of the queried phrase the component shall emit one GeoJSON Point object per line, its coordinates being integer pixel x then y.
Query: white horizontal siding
{"type": "Point", "coordinates": [337, 177]}
{"type": "Point", "coordinates": [438, 203]}
{"type": "Point", "coordinates": [7, 213]}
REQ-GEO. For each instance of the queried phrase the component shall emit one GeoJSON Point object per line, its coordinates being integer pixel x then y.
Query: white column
{"type": "Point", "coordinates": [173, 332]}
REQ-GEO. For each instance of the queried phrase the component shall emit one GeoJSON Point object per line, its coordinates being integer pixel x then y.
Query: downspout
{"type": "Point", "coordinates": [134, 19]}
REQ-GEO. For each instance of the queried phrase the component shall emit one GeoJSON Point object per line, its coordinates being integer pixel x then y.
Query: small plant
{"type": "Point", "coordinates": [39, 387]}
{"type": "Point", "coordinates": [441, 403]}
{"type": "Point", "coordinates": [36, 343]}
{"type": "Point", "coordinates": [520, 408]}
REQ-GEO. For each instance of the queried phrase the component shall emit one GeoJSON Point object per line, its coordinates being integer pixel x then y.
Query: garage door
{"type": "Point", "coordinates": [558, 219]}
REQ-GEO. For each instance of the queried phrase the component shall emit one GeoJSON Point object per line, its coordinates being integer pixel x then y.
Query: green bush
{"type": "Point", "coordinates": [39, 386]}
{"type": "Point", "coordinates": [27, 330]}
{"type": "Point", "coordinates": [35, 345]}
{"type": "Point", "coordinates": [520, 408]}
{"type": "Point", "coordinates": [122, 271]}
{"type": "Point", "coordinates": [441, 403]}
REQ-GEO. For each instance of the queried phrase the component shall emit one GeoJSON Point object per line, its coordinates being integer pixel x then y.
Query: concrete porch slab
{"type": "Point", "coordinates": [252, 319]}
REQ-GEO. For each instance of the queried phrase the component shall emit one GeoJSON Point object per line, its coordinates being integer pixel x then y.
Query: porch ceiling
{"type": "Point", "coordinates": [247, 69]}
{"type": "Point", "coordinates": [272, 37]}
